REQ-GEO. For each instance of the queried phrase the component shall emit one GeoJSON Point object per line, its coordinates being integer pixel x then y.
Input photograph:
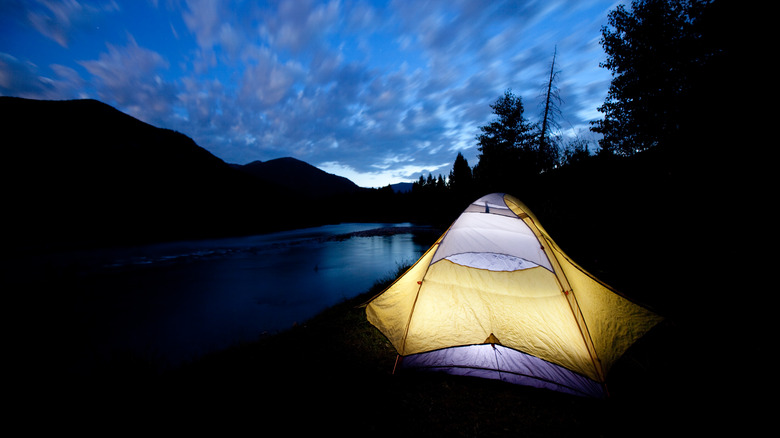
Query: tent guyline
{"type": "Point", "coordinates": [495, 297]}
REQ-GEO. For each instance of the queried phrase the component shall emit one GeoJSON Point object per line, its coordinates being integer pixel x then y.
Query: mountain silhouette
{"type": "Point", "coordinates": [403, 187]}
{"type": "Point", "coordinates": [80, 172]}
{"type": "Point", "coordinates": [300, 177]}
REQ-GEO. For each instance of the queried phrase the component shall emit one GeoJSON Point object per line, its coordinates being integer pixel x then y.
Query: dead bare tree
{"type": "Point", "coordinates": [548, 148]}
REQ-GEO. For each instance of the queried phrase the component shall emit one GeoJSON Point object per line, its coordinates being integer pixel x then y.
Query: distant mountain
{"type": "Point", "coordinates": [299, 177]}
{"type": "Point", "coordinates": [402, 187]}
{"type": "Point", "coordinates": [83, 173]}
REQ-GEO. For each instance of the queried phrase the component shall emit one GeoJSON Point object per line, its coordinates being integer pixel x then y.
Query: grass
{"type": "Point", "coordinates": [333, 374]}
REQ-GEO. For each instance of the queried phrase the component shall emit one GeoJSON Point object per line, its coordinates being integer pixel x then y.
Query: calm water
{"type": "Point", "coordinates": [174, 302]}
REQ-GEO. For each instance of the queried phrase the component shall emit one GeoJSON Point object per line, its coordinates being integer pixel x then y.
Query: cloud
{"type": "Point", "coordinates": [266, 81]}
{"type": "Point", "coordinates": [23, 79]}
{"type": "Point", "coordinates": [58, 20]}
{"type": "Point", "coordinates": [130, 76]}
{"type": "Point", "coordinates": [300, 25]}
{"type": "Point", "coordinates": [204, 18]}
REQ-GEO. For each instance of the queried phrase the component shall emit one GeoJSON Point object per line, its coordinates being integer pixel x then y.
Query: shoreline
{"type": "Point", "coordinates": [386, 231]}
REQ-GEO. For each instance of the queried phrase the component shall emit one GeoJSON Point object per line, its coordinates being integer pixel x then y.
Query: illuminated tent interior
{"type": "Point", "coordinates": [496, 298]}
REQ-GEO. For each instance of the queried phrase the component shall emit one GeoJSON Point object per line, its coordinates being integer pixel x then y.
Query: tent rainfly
{"type": "Point", "coordinates": [496, 298]}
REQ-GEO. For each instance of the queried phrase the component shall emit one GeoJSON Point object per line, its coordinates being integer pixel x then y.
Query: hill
{"type": "Point", "coordinates": [83, 173]}
{"type": "Point", "coordinates": [299, 177]}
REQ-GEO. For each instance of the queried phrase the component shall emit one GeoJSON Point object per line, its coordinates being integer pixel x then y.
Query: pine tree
{"type": "Point", "coordinates": [506, 145]}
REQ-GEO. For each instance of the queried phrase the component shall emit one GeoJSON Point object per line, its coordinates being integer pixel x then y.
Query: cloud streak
{"type": "Point", "coordinates": [379, 92]}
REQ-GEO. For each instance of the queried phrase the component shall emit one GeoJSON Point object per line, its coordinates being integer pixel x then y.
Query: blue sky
{"type": "Point", "coordinates": [377, 91]}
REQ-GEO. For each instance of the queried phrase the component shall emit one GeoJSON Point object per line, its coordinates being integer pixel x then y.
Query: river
{"type": "Point", "coordinates": [170, 303]}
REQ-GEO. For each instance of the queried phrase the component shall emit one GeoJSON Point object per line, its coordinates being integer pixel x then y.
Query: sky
{"type": "Point", "coordinates": [379, 92]}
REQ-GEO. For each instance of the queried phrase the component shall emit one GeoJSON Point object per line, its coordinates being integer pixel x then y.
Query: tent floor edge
{"type": "Point", "coordinates": [512, 366]}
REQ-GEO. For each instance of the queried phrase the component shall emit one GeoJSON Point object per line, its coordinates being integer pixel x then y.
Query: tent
{"type": "Point", "coordinates": [495, 297]}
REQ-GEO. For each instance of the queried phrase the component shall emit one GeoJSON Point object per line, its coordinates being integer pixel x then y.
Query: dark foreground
{"type": "Point", "coordinates": [333, 375]}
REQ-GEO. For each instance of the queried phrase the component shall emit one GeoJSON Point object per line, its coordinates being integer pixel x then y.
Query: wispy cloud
{"type": "Point", "coordinates": [130, 75]}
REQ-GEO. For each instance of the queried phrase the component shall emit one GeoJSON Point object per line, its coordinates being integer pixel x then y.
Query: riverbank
{"type": "Point", "coordinates": [419, 231]}
{"type": "Point", "coordinates": [333, 374]}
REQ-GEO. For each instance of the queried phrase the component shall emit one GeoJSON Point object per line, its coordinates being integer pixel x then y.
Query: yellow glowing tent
{"type": "Point", "coordinates": [495, 297]}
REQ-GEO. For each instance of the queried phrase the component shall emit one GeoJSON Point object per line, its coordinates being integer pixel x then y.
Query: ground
{"type": "Point", "coordinates": [334, 375]}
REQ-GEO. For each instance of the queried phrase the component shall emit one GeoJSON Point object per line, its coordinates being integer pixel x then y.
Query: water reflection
{"type": "Point", "coordinates": [175, 302]}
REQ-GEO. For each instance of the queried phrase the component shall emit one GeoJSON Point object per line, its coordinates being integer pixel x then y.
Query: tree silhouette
{"type": "Point", "coordinates": [651, 52]}
{"type": "Point", "coordinates": [507, 147]}
{"type": "Point", "coordinates": [461, 181]}
{"type": "Point", "coordinates": [548, 148]}
{"type": "Point", "coordinates": [575, 151]}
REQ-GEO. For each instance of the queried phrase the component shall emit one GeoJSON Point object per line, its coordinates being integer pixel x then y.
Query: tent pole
{"type": "Point", "coordinates": [395, 365]}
